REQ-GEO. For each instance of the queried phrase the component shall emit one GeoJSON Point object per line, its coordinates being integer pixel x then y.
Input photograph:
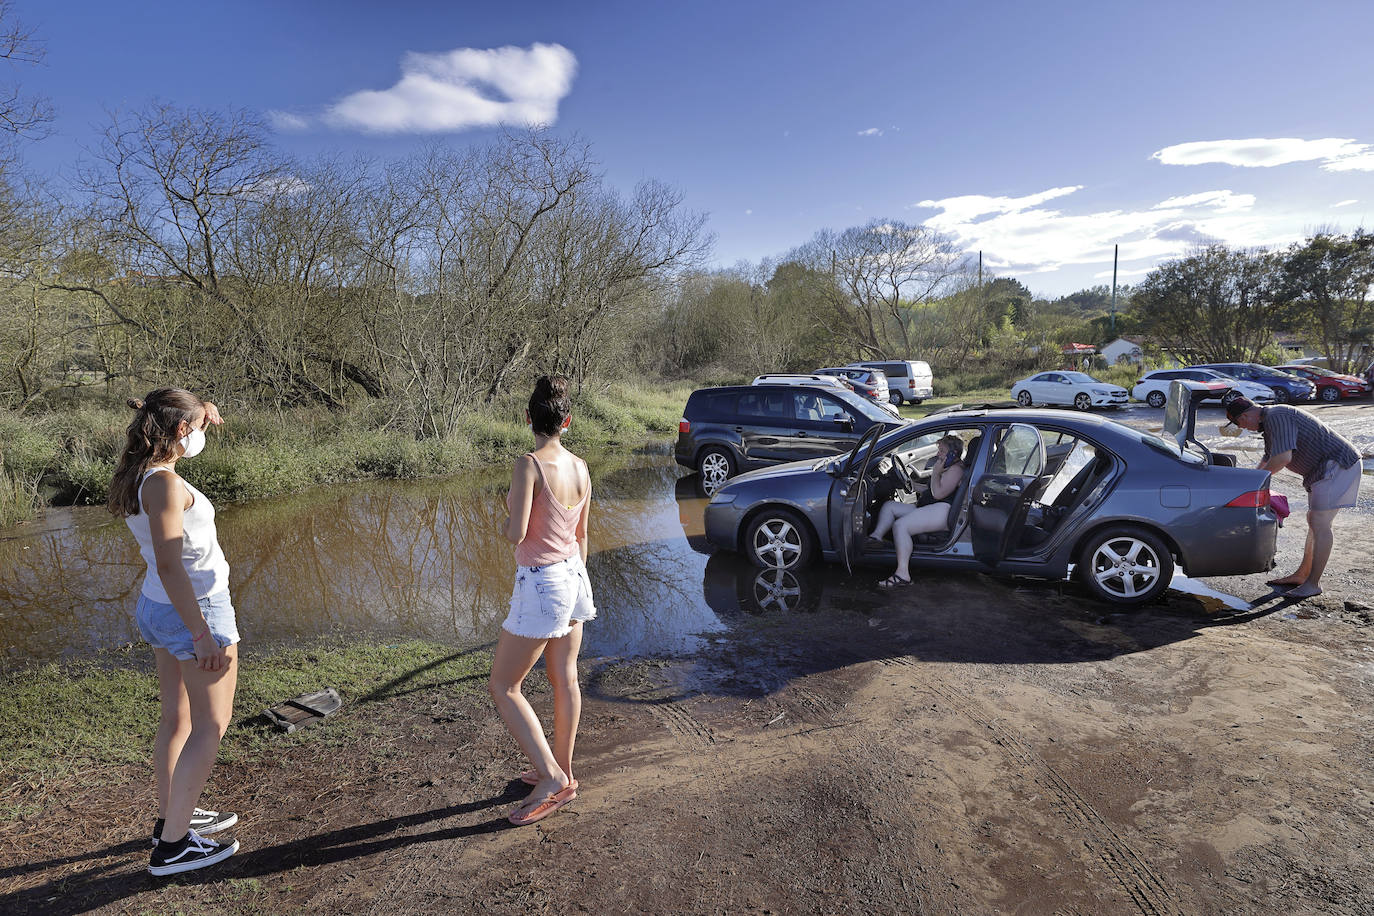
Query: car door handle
{"type": "Point", "coordinates": [1014, 488]}
{"type": "Point", "coordinates": [801, 434]}
{"type": "Point", "coordinates": [739, 429]}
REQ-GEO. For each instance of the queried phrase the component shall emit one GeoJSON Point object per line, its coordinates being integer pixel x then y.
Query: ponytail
{"type": "Point", "coordinates": [151, 439]}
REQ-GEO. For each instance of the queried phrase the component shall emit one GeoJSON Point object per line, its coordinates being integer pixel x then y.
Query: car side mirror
{"type": "Point", "coordinates": [846, 423]}
{"type": "Point", "coordinates": [1064, 381]}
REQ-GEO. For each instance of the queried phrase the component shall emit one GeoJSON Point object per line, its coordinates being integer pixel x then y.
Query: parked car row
{"type": "Point", "coordinates": [1261, 384]}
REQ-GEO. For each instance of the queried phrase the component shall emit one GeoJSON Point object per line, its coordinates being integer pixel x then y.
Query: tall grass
{"type": "Point", "coordinates": [68, 457]}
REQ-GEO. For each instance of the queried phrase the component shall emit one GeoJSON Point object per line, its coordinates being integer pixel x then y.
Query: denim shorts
{"type": "Point", "coordinates": [547, 599]}
{"type": "Point", "coordinates": [161, 625]}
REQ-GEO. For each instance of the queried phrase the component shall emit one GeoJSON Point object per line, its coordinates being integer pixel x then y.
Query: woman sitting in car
{"type": "Point", "coordinates": [930, 512]}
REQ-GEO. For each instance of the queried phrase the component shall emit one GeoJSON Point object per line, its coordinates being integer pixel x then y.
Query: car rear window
{"type": "Point", "coordinates": [713, 404]}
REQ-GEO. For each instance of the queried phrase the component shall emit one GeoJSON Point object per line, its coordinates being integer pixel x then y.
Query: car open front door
{"type": "Point", "coordinates": [849, 495]}
{"type": "Point", "coordinates": [998, 498]}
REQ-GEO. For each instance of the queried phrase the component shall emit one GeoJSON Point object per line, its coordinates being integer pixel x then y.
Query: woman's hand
{"type": "Point", "coordinates": [212, 415]}
{"type": "Point", "coordinates": [209, 655]}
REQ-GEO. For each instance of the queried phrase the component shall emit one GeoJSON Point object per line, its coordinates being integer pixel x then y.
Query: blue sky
{"type": "Point", "coordinates": [1040, 133]}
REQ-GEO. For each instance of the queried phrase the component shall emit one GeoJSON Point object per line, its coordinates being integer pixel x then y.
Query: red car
{"type": "Point", "coordinates": [1331, 386]}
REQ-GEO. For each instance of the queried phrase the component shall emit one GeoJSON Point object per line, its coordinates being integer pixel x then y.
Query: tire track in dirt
{"type": "Point", "coordinates": [1141, 884]}
{"type": "Point", "coordinates": [682, 724]}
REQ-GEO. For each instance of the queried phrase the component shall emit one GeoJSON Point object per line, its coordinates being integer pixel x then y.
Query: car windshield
{"type": "Point", "coordinates": [1078, 377]}
{"type": "Point", "coordinates": [1315, 370]}
{"type": "Point", "coordinates": [863, 405]}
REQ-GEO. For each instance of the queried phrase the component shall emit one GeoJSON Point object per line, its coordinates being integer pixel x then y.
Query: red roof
{"type": "Point", "coordinates": [1080, 348]}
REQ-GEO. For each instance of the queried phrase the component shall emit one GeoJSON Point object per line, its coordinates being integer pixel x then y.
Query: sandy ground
{"type": "Point", "coordinates": [970, 745]}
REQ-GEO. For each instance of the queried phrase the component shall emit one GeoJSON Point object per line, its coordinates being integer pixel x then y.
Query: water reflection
{"type": "Point", "coordinates": [417, 558]}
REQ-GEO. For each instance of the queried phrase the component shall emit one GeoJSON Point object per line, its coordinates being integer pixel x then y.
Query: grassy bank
{"type": "Point", "coordinates": [64, 720]}
{"type": "Point", "coordinates": [67, 457]}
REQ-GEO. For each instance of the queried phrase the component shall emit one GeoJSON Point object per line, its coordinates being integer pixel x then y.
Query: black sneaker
{"type": "Point", "coordinates": [191, 852]}
{"type": "Point", "coordinates": [202, 822]}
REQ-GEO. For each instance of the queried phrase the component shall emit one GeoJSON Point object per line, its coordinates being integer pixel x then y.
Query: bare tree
{"type": "Point", "coordinates": [21, 113]}
{"type": "Point", "coordinates": [877, 271]}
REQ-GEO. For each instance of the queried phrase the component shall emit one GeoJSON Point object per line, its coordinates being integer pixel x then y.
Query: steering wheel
{"type": "Point", "coordinates": [900, 468]}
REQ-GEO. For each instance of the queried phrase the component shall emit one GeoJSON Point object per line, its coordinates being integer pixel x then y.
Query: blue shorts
{"type": "Point", "coordinates": [161, 625]}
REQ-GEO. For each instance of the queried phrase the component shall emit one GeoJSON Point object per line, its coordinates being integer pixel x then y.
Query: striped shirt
{"type": "Point", "coordinates": [1311, 441]}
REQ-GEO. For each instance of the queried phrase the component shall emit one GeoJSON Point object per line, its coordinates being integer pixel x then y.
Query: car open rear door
{"type": "Point", "coordinates": [849, 495]}
{"type": "Point", "coordinates": [997, 498]}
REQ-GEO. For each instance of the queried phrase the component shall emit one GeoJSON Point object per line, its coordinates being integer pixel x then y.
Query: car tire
{"type": "Point", "coordinates": [715, 465]}
{"type": "Point", "coordinates": [1155, 399]}
{"type": "Point", "coordinates": [1023, 397]}
{"type": "Point", "coordinates": [917, 401]}
{"type": "Point", "coordinates": [1082, 401]}
{"type": "Point", "coordinates": [1330, 394]}
{"type": "Point", "coordinates": [1125, 565]}
{"type": "Point", "coordinates": [896, 398]}
{"type": "Point", "coordinates": [1281, 396]}
{"type": "Point", "coordinates": [778, 538]}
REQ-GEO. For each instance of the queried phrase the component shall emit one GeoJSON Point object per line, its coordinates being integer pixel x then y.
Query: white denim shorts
{"type": "Point", "coordinates": [548, 599]}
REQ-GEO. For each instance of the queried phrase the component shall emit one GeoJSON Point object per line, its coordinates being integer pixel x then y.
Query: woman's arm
{"type": "Point", "coordinates": [166, 500]}
{"type": "Point", "coordinates": [521, 499]}
{"type": "Point", "coordinates": [945, 480]}
{"type": "Point", "coordinates": [586, 513]}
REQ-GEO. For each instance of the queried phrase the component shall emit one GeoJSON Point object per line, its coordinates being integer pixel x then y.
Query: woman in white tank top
{"type": "Point", "coordinates": [185, 613]}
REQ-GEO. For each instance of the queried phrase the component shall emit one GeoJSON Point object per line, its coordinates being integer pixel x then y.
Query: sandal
{"type": "Point", "coordinates": [894, 581]}
{"type": "Point", "coordinates": [551, 803]}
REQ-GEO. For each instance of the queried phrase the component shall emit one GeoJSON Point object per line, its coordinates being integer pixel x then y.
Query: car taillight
{"type": "Point", "coordinates": [1255, 499]}
{"type": "Point", "coordinates": [683, 427]}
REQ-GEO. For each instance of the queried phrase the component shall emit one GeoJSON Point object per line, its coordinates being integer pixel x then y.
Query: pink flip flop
{"type": "Point", "coordinates": [549, 805]}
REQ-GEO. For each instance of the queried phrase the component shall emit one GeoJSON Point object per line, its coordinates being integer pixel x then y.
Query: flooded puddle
{"type": "Point", "coordinates": [422, 559]}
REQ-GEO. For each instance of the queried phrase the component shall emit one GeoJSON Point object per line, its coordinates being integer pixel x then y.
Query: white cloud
{"type": "Point", "coordinates": [1221, 200]}
{"type": "Point", "coordinates": [1345, 203]}
{"type": "Point", "coordinates": [1335, 154]}
{"type": "Point", "coordinates": [285, 120]}
{"type": "Point", "coordinates": [748, 212]}
{"type": "Point", "coordinates": [467, 87]}
{"type": "Point", "coordinates": [871, 132]}
{"type": "Point", "coordinates": [1020, 235]}
{"type": "Point", "coordinates": [1121, 274]}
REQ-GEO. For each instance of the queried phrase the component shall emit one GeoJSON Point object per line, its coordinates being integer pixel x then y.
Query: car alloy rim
{"type": "Point", "coordinates": [778, 543]}
{"type": "Point", "coordinates": [776, 589]}
{"type": "Point", "coordinates": [1082, 402]}
{"type": "Point", "coordinates": [1331, 394]}
{"type": "Point", "coordinates": [1024, 398]}
{"type": "Point", "coordinates": [715, 467]}
{"type": "Point", "coordinates": [1125, 567]}
{"type": "Point", "coordinates": [1155, 399]}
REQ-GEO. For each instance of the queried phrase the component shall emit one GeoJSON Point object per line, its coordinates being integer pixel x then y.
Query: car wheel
{"type": "Point", "coordinates": [1331, 394]}
{"type": "Point", "coordinates": [1155, 399]}
{"type": "Point", "coordinates": [1126, 565]}
{"type": "Point", "coordinates": [1281, 396]}
{"type": "Point", "coordinates": [1023, 398]}
{"type": "Point", "coordinates": [778, 539]}
{"type": "Point", "coordinates": [715, 465]}
{"type": "Point", "coordinates": [1082, 402]}
{"type": "Point", "coordinates": [896, 398]}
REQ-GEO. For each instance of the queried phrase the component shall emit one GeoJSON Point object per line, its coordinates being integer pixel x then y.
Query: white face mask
{"type": "Point", "coordinates": [193, 443]}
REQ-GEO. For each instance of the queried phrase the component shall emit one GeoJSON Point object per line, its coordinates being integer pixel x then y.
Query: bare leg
{"type": "Point", "coordinates": [514, 657]}
{"type": "Point", "coordinates": [174, 727]}
{"type": "Point", "coordinates": [210, 695]}
{"type": "Point", "coordinates": [1317, 553]}
{"type": "Point", "coordinates": [919, 521]}
{"type": "Point", "coordinates": [888, 514]}
{"type": "Point", "coordinates": [561, 661]}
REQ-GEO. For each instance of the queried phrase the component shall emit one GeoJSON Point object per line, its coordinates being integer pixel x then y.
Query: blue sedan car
{"type": "Point", "coordinates": [1042, 490]}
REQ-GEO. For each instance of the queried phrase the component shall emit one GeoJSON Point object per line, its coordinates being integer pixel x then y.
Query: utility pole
{"type": "Point", "coordinates": [980, 270]}
{"type": "Point", "coordinates": [1116, 249]}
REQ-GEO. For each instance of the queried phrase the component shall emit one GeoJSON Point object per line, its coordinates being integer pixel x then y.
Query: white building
{"type": "Point", "coordinates": [1122, 350]}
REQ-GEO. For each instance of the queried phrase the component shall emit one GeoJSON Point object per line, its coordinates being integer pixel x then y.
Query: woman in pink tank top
{"type": "Point", "coordinates": [549, 501]}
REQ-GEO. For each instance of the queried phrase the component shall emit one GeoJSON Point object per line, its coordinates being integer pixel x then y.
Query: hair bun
{"type": "Point", "coordinates": [135, 403]}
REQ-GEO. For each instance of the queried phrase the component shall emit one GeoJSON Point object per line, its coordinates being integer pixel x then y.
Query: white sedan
{"type": "Point", "coordinates": [1153, 387]}
{"type": "Point", "coordinates": [1076, 389]}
